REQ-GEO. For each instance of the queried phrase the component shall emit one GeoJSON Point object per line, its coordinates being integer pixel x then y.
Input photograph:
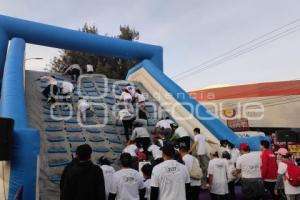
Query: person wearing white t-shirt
{"type": "Point", "coordinates": [83, 106]}
{"type": "Point", "coordinates": [74, 71]}
{"type": "Point", "coordinates": [217, 178]}
{"type": "Point", "coordinates": [108, 172]}
{"type": "Point", "coordinates": [164, 127]}
{"type": "Point", "coordinates": [66, 90]}
{"type": "Point", "coordinates": [155, 150]}
{"type": "Point", "coordinates": [127, 119]}
{"type": "Point", "coordinates": [126, 99]}
{"type": "Point", "coordinates": [234, 152]}
{"type": "Point", "coordinates": [291, 192]}
{"type": "Point", "coordinates": [89, 68]}
{"type": "Point", "coordinates": [131, 89]}
{"type": "Point", "coordinates": [199, 144]}
{"type": "Point", "coordinates": [127, 183]}
{"type": "Point", "coordinates": [181, 136]}
{"type": "Point", "coordinates": [188, 162]}
{"type": "Point", "coordinates": [131, 148]}
{"type": "Point", "coordinates": [170, 179]}
{"type": "Point", "coordinates": [249, 165]}
{"type": "Point", "coordinates": [141, 135]}
{"type": "Point", "coordinates": [230, 170]}
{"type": "Point", "coordinates": [51, 89]}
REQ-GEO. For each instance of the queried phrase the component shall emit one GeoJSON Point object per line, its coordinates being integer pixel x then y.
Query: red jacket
{"type": "Point", "coordinates": [269, 165]}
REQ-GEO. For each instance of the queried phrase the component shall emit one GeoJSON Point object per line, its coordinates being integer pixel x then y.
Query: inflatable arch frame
{"type": "Point", "coordinates": [14, 34]}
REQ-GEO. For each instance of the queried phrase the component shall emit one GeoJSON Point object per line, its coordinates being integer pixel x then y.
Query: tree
{"type": "Point", "coordinates": [112, 67]}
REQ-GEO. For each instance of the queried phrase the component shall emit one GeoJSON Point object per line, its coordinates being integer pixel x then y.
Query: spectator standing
{"type": "Point", "coordinates": [170, 180]}
{"type": "Point", "coordinates": [269, 168]}
{"type": "Point", "coordinates": [108, 172]}
{"type": "Point", "coordinates": [230, 170]}
{"type": "Point", "coordinates": [127, 183]}
{"type": "Point", "coordinates": [249, 164]}
{"type": "Point", "coordinates": [217, 178]}
{"type": "Point", "coordinates": [189, 162]}
{"type": "Point", "coordinates": [74, 71]}
{"type": "Point", "coordinates": [291, 192]}
{"type": "Point", "coordinates": [85, 180]}
{"type": "Point", "coordinates": [234, 152]}
{"type": "Point", "coordinates": [200, 142]}
{"type": "Point", "coordinates": [64, 175]}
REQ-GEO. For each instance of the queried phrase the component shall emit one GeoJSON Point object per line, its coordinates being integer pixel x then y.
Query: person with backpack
{"type": "Point", "coordinates": [193, 167]}
{"type": "Point", "coordinates": [290, 172]}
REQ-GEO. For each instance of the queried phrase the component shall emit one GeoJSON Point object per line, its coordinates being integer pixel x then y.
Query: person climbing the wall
{"type": "Point", "coordinates": [66, 90]}
{"type": "Point", "coordinates": [126, 99]}
{"type": "Point", "coordinates": [51, 89]}
{"type": "Point", "coordinates": [89, 69]}
{"type": "Point", "coordinates": [83, 107]}
{"type": "Point", "coordinates": [127, 119]}
{"type": "Point", "coordinates": [74, 71]}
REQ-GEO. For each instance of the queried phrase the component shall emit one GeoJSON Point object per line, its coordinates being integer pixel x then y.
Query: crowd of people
{"type": "Point", "coordinates": [170, 172]}
{"type": "Point", "coordinates": [170, 163]}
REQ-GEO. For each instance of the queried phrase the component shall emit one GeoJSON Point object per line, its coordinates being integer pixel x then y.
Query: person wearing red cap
{"type": "Point", "coordinates": [268, 167]}
{"type": "Point", "coordinates": [248, 165]}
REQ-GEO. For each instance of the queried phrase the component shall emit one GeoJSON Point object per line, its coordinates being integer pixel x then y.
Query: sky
{"type": "Point", "coordinates": [190, 32]}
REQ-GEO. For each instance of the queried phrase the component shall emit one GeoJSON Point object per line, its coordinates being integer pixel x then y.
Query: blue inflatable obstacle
{"type": "Point", "coordinates": [24, 163]}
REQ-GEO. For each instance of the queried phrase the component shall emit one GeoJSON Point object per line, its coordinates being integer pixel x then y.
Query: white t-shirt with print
{"type": "Point", "coordinates": [218, 168]}
{"type": "Point", "coordinates": [188, 162]}
{"type": "Point", "coordinates": [288, 188]}
{"type": "Point", "coordinates": [201, 139]}
{"type": "Point", "coordinates": [249, 164]}
{"type": "Point", "coordinates": [108, 172]}
{"type": "Point", "coordinates": [126, 184]}
{"type": "Point", "coordinates": [155, 150]}
{"type": "Point", "coordinates": [131, 149]}
{"type": "Point", "coordinates": [170, 177]}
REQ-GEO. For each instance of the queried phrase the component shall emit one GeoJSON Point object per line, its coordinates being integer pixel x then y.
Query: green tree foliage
{"type": "Point", "coordinates": [112, 67]}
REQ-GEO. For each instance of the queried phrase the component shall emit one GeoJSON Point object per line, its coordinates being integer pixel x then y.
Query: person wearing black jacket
{"type": "Point", "coordinates": [85, 180]}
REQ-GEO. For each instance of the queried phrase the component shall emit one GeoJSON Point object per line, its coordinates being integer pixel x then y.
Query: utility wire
{"type": "Point", "coordinates": [239, 47]}
{"type": "Point", "coordinates": [242, 52]}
